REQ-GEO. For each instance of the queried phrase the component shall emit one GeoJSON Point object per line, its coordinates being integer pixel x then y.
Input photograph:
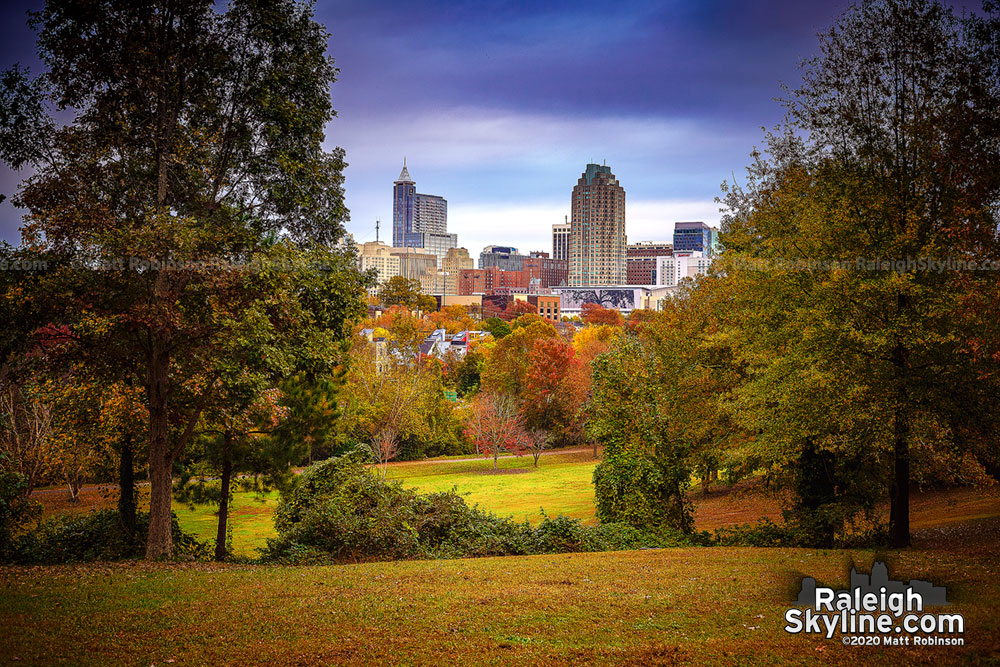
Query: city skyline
{"type": "Point", "coordinates": [498, 115]}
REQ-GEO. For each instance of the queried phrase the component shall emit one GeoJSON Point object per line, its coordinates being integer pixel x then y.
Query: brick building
{"type": "Point", "coordinates": [640, 261]}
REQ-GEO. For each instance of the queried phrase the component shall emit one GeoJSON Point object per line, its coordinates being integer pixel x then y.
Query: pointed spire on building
{"type": "Point", "coordinates": [404, 176]}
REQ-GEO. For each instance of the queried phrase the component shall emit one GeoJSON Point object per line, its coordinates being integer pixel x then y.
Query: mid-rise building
{"type": "Point", "coordinates": [547, 305]}
{"type": "Point", "coordinates": [457, 259]}
{"type": "Point", "coordinates": [670, 271]}
{"type": "Point", "coordinates": [415, 214]}
{"type": "Point", "coordinates": [692, 237]}
{"type": "Point", "coordinates": [435, 242]}
{"type": "Point", "coordinates": [378, 256]}
{"type": "Point", "coordinates": [548, 271]}
{"type": "Point", "coordinates": [714, 245]}
{"type": "Point", "coordinates": [443, 279]}
{"type": "Point", "coordinates": [414, 262]}
{"type": "Point", "coordinates": [492, 280]}
{"type": "Point", "coordinates": [560, 241]}
{"type": "Point", "coordinates": [502, 257]}
{"type": "Point", "coordinates": [640, 261]}
{"type": "Point", "coordinates": [597, 233]}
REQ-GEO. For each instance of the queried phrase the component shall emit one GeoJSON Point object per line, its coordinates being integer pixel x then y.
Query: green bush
{"type": "Point", "coordinates": [641, 491]}
{"type": "Point", "coordinates": [95, 536]}
{"type": "Point", "coordinates": [764, 533]}
{"type": "Point", "coordinates": [16, 510]}
{"type": "Point", "coordinates": [341, 511]}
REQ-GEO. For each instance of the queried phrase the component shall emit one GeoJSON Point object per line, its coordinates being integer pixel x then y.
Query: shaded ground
{"type": "Point", "coordinates": [720, 606]}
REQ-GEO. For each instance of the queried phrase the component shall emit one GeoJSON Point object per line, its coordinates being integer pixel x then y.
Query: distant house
{"type": "Point", "coordinates": [440, 343]}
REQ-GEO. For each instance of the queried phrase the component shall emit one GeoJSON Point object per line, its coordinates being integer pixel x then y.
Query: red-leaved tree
{"type": "Point", "coordinates": [555, 388]}
{"type": "Point", "coordinates": [496, 425]}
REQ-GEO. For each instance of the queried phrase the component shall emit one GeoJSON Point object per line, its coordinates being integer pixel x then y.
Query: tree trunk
{"type": "Point", "coordinates": [227, 471]}
{"type": "Point", "coordinates": [126, 486]}
{"type": "Point", "coordinates": [159, 543]}
{"type": "Point", "coordinates": [899, 491]}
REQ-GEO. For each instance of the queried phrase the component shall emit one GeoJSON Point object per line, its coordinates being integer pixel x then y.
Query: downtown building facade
{"type": "Point", "coordinates": [537, 272]}
{"type": "Point", "coordinates": [419, 220]}
{"type": "Point", "coordinates": [670, 271]}
{"type": "Point", "coordinates": [505, 258]}
{"type": "Point", "coordinates": [696, 237]}
{"type": "Point", "coordinates": [597, 229]}
{"type": "Point", "coordinates": [443, 280]}
{"type": "Point", "coordinates": [560, 240]}
{"type": "Point", "coordinates": [378, 256]}
{"type": "Point", "coordinates": [640, 261]}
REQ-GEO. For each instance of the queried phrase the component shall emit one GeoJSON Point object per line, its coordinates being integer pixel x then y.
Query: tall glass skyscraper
{"type": "Point", "coordinates": [418, 218]}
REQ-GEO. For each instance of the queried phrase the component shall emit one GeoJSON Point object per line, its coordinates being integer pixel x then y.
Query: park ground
{"type": "Point", "coordinates": [670, 606]}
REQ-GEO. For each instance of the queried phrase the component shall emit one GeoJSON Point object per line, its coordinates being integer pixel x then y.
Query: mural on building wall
{"type": "Point", "coordinates": [619, 299]}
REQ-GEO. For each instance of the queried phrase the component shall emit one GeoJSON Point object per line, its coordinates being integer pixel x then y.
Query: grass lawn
{"type": "Point", "coordinates": [561, 484]}
{"type": "Point", "coordinates": [249, 520]}
{"type": "Point", "coordinates": [673, 606]}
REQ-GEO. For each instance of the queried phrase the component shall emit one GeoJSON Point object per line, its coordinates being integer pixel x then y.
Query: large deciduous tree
{"type": "Point", "coordinates": [192, 161]}
{"type": "Point", "coordinates": [856, 348]}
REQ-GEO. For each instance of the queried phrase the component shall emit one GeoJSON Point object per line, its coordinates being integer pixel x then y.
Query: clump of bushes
{"type": "Point", "coordinates": [94, 536]}
{"type": "Point", "coordinates": [16, 510]}
{"type": "Point", "coordinates": [341, 511]}
{"type": "Point", "coordinates": [794, 532]}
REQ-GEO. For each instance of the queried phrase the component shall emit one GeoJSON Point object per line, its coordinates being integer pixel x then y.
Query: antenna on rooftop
{"type": "Point", "coordinates": [377, 223]}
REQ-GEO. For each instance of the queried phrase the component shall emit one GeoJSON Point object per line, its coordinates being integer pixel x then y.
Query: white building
{"type": "Point", "coordinates": [670, 271]}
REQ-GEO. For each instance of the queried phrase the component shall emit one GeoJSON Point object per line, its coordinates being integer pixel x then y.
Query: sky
{"type": "Point", "coordinates": [498, 107]}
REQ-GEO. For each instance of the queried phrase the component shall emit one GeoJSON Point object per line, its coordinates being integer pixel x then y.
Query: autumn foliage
{"type": "Point", "coordinates": [495, 425]}
{"type": "Point", "coordinates": [594, 313]}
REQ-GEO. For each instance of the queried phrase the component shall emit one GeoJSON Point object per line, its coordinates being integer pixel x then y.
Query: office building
{"type": "Point", "coordinates": [378, 256]}
{"type": "Point", "coordinates": [414, 214]}
{"type": "Point", "coordinates": [414, 262]}
{"type": "Point", "coordinates": [504, 258]}
{"type": "Point", "coordinates": [597, 232]}
{"type": "Point", "coordinates": [640, 261]}
{"type": "Point", "coordinates": [547, 271]}
{"type": "Point", "coordinates": [435, 242]}
{"type": "Point", "coordinates": [692, 237]}
{"type": "Point", "coordinates": [443, 279]}
{"type": "Point", "coordinates": [547, 305]}
{"type": "Point", "coordinates": [670, 271]}
{"type": "Point", "coordinates": [560, 241]}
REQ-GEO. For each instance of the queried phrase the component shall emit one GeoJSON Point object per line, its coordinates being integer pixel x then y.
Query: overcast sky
{"type": "Point", "coordinates": [499, 109]}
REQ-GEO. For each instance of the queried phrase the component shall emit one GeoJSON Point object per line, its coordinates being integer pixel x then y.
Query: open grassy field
{"type": "Point", "coordinates": [560, 485]}
{"type": "Point", "coordinates": [674, 606]}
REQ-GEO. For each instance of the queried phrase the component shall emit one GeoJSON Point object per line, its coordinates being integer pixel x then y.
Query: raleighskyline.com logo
{"type": "Point", "coordinates": [876, 611]}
